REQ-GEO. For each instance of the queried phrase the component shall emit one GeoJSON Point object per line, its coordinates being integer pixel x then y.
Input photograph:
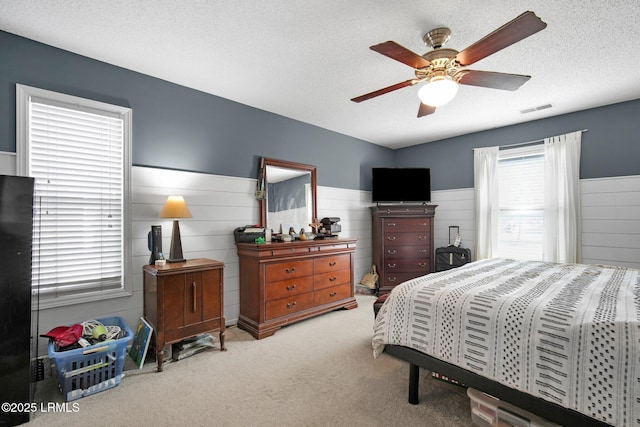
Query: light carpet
{"type": "Point", "coordinates": [317, 372]}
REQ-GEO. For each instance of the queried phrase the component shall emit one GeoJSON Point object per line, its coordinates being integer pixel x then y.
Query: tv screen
{"type": "Point", "coordinates": [395, 185]}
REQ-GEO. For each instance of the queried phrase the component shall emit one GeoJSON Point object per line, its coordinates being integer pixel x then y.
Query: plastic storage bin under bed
{"type": "Point", "coordinates": [488, 411]}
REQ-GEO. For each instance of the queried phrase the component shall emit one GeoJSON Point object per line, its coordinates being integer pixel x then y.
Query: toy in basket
{"type": "Point", "coordinates": [97, 367]}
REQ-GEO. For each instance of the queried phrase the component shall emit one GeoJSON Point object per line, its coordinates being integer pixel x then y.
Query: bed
{"type": "Point", "coordinates": [559, 340]}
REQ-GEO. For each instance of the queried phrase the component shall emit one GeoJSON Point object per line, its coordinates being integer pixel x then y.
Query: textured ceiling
{"type": "Point", "coordinates": [306, 59]}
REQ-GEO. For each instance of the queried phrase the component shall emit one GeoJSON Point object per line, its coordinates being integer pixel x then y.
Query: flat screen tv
{"type": "Point", "coordinates": [401, 185]}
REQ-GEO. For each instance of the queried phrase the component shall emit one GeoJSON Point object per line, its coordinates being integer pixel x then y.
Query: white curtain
{"type": "Point", "coordinates": [486, 185]}
{"type": "Point", "coordinates": [561, 241]}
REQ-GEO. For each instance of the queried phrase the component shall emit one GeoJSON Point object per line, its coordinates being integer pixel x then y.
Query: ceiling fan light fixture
{"type": "Point", "coordinates": [438, 91]}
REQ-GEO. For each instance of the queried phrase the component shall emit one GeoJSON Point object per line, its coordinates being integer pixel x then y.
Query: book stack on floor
{"type": "Point", "coordinates": [192, 346]}
{"type": "Point", "coordinates": [365, 290]}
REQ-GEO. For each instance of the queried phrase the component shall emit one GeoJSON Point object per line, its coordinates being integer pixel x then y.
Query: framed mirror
{"type": "Point", "coordinates": [287, 193]}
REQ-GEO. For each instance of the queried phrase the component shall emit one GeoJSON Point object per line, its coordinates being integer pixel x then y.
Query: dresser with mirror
{"type": "Point", "coordinates": [282, 282]}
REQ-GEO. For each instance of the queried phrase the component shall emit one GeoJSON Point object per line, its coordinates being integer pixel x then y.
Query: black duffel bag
{"type": "Point", "coordinates": [451, 257]}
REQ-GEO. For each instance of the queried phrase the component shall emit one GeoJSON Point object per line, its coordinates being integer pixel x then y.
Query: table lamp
{"type": "Point", "coordinates": [175, 207]}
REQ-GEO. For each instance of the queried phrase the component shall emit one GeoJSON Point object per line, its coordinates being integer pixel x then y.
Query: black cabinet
{"type": "Point", "coordinates": [16, 225]}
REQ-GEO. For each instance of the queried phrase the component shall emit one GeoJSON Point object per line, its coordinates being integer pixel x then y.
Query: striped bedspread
{"type": "Point", "coordinates": [567, 333]}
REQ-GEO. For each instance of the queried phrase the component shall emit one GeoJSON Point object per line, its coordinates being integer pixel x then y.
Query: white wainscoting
{"type": "Point", "coordinates": [8, 163]}
{"type": "Point", "coordinates": [352, 207]}
{"type": "Point", "coordinates": [455, 208]}
{"type": "Point", "coordinates": [610, 219]}
{"type": "Point", "coordinates": [610, 226]}
{"type": "Point", "coordinates": [218, 205]}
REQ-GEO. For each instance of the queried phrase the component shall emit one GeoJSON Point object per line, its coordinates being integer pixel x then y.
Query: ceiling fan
{"type": "Point", "coordinates": [442, 69]}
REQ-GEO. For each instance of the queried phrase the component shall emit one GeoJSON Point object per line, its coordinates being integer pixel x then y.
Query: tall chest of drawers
{"type": "Point", "coordinates": [402, 243]}
{"type": "Point", "coordinates": [282, 283]}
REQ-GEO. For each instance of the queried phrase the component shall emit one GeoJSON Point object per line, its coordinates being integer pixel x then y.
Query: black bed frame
{"type": "Point", "coordinates": [545, 409]}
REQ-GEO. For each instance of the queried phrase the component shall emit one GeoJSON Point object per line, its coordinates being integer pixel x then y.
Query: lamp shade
{"type": "Point", "coordinates": [175, 207]}
{"type": "Point", "coordinates": [438, 91]}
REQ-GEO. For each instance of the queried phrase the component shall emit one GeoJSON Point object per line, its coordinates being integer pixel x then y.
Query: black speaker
{"type": "Point", "coordinates": [154, 242]}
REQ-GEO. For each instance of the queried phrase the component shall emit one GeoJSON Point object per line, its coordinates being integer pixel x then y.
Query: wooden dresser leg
{"type": "Point", "coordinates": [222, 347]}
{"type": "Point", "coordinates": [414, 381]}
{"type": "Point", "coordinates": [160, 357]}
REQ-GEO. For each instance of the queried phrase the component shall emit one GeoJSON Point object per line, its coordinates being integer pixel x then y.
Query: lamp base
{"type": "Point", "coordinates": [175, 252]}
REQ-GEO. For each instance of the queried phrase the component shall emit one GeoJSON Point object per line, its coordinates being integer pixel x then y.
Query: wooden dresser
{"type": "Point", "coordinates": [402, 243]}
{"type": "Point", "coordinates": [184, 299]}
{"type": "Point", "coordinates": [282, 283]}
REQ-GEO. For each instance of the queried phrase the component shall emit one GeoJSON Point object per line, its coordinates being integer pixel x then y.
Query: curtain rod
{"type": "Point", "coordinates": [530, 142]}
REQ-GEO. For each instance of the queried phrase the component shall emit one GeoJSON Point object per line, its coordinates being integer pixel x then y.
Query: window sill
{"type": "Point", "coordinates": [49, 301]}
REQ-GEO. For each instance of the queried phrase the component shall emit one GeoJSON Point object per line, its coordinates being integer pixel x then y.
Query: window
{"type": "Point", "coordinates": [521, 182]}
{"type": "Point", "coordinates": [78, 152]}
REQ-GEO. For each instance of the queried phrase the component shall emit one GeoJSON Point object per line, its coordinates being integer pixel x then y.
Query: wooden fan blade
{"type": "Point", "coordinates": [520, 28]}
{"type": "Point", "coordinates": [384, 90]}
{"type": "Point", "coordinates": [493, 80]}
{"type": "Point", "coordinates": [400, 53]}
{"type": "Point", "coordinates": [425, 110]}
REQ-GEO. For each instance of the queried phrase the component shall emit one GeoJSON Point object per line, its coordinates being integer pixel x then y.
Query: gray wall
{"type": "Point", "coordinates": [611, 147]}
{"type": "Point", "coordinates": [175, 127]}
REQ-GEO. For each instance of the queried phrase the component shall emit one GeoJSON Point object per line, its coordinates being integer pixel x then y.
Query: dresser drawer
{"type": "Point", "coordinates": [334, 293]}
{"type": "Point", "coordinates": [288, 270]}
{"type": "Point", "coordinates": [332, 278]}
{"type": "Point", "coordinates": [399, 252]}
{"type": "Point", "coordinates": [403, 239]}
{"type": "Point", "coordinates": [288, 306]}
{"type": "Point", "coordinates": [331, 263]}
{"type": "Point", "coordinates": [396, 279]}
{"type": "Point", "coordinates": [406, 224]}
{"type": "Point", "coordinates": [285, 250]}
{"type": "Point", "coordinates": [287, 288]}
{"type": "Point", "coordinates": [392, 266]}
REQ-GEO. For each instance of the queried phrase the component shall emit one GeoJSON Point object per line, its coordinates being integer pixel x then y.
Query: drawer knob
{"type": "Point", "coordinates": [290, 288]}
{"type": "Point", "coordinates": [392, 238]}
{"type": "Point", "coordinates": [422, 237]}
{"type": "Point", "coordinates": [422, 251]}
{"type": "Point", "coordinates": [422, 264]}
{"type": "Point", "coordinates": [391, 224]}
{"type": "Point", "coordinates": [291, 304]}
{"type": "Point", "coordinates": [391, 251]}
{"type": "Point", "coordinates": [391, 279]}
{"type": "Point", "coordinates": [391, 265]}
{"type": "Point", "coordinates": [333, 279]}
{"type": "Point", "coordinates": [290, 270]}
{"type": "Point", "coordinates": [333, 294]}
{"type": "Point", "coordinates": [332, 264]}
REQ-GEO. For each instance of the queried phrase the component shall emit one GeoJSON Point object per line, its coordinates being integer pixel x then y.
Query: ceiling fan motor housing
{"type": "Point", "coordinates": [442, 64]}
{"type": "Point", "coordinates": [437, 37]}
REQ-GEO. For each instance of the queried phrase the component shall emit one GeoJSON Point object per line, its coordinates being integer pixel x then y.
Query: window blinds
{"type": "Point", "coordinates": [76, 158]}
{"type": "Point", "coordinates": [521, 181]}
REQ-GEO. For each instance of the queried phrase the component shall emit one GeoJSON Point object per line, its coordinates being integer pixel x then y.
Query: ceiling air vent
{"type": "Point", "coordinates": [538, 108]}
